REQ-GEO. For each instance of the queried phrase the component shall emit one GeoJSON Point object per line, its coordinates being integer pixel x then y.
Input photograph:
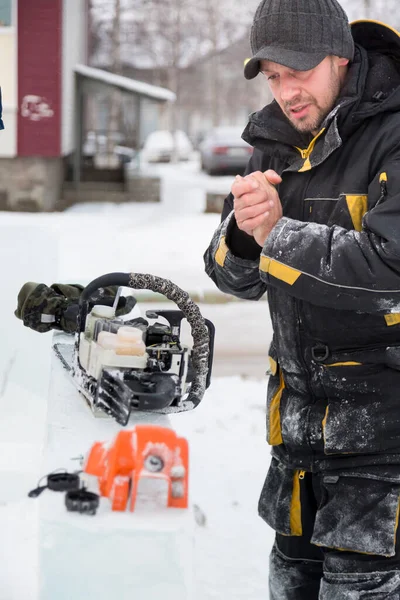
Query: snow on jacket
{"type": "Point", "coordinates": [331, 269]}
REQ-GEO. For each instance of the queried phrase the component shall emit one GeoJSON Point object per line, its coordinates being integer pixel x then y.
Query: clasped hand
{"type": "Point", "coordinates": [256, 203]}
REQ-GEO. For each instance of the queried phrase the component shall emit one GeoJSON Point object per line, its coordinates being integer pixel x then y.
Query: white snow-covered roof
{"type": "Point", "coordinates": [126, 83]}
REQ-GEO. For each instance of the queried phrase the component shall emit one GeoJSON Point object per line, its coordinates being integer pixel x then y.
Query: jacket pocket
{"type": "Point", "coordinates": [347, 210]}
{"type": "Point", "coordinates": [276, 386]}
{"type": "Point", "coordinates": [279, 504]}
{"type": "Point", "coordinates": [358, 514]}
{"type": "Point", "coordinates": [361, 415]}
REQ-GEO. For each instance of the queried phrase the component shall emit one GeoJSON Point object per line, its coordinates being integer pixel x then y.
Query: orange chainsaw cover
{"type": "Point", "coordinates": [146, 451]}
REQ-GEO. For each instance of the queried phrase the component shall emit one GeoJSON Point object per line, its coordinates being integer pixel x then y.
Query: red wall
{"type": "Point", "coordinates": [39, 77]}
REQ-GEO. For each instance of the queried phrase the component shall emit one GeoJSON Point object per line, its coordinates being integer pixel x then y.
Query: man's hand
{"type": "Point", "coordinates": [256, 203]}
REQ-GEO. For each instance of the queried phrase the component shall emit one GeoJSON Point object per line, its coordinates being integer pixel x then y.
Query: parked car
{"type": "Point", "coordinates": [223, 151]}
{"type": "Point", "coordinates": [159, 146]}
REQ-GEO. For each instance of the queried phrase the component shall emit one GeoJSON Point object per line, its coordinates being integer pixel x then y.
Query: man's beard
{"type": "Point", "coordinates": [309, 123]}
{"type": "Point", "coordinates": [312, 123]}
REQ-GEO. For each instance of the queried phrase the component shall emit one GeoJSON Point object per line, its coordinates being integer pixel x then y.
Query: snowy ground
{"type": "Point", "coordinates": [229, 456]}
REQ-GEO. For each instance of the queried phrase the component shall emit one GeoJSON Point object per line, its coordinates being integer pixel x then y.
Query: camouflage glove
{"type": "Point", "coordinates": [43, 308]}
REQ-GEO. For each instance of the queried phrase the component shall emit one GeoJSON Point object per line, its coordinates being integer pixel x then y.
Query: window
{"type": "Point", "coordinates": [5, 13]}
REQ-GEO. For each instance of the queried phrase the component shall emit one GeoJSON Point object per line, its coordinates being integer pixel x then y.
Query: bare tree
{"type": "Point", "coordinates": [222, 28]}
{"type": "Point", "coordinates": [169, 35]}
{"type": "Point", "coordinates": [367, 8]}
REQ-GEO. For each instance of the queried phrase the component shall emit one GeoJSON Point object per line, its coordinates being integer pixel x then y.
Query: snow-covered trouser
{"type": "Point", "coordinates": [320, 564]}
{"type": "Point", "coordinates": [296, 579]}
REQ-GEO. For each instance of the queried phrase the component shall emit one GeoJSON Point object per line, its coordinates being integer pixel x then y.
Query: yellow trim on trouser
{"type": "Point", "coordinates": [350, 550]}
{"type": "Point", "coordinates": [295, 505]}
{"type": "Point", "coordinates": [350, 363]}
{"type": "Point", "coordinates": [221, 253]}
{"type": "Point", "coordinates": [324, 420]}
{"type": "Point", "coordinates": [279, 270]}
{"type": "Point", "coordinates": [273, 365]}
{"type": "Point", "coordinates": [357, 206]}
{"type": "Point", "coordinates": [392, 319]}
{"type": "Point", "coordinates": [396, 524]}
{"type": "Point", "coordinates": [275, 431]}
{"type": "Point", "coordinates": [307, 152]}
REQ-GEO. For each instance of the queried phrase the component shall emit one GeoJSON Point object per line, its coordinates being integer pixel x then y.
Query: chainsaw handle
{"type": "Point", "coordinates": [118, 279]}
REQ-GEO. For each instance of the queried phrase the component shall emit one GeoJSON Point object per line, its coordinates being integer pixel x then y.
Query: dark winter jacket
{"type": "Point", "coordinates": [331, 269]}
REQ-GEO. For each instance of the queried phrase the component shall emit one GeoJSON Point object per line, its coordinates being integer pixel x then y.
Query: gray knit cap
{"type": "Point", "coordinates": [298, 34]}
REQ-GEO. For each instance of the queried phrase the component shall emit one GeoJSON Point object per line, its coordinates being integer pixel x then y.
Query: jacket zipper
{"type": "Point", "coordinates": [383, 183]}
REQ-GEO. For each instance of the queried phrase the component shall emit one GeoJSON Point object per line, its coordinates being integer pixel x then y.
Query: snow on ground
{"type": "Point", "coordinates": [228, 449]}
{"type": "Point", "coordinates": [229, 456]}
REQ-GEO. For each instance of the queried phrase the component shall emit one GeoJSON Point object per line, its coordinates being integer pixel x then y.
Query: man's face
{"type": "Point", "coordinates": [306, 97]}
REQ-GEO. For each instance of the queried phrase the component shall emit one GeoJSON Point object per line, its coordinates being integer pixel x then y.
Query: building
{"type": "Point", "coordinates": [45, 85]}
{"type": "Point", "coordinates": [40, 43]}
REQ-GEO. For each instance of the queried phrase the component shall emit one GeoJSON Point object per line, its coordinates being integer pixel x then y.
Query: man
{"type": "Point", "coordinates": [315, 223]}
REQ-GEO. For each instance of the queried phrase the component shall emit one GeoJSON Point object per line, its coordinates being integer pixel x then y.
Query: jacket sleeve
{"type": "Point", "coordinates": [338, 268]}
{"type": "Point", "coordinates": [232, 274]}
{"type": "Point", "coordinates": [233, 257]}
